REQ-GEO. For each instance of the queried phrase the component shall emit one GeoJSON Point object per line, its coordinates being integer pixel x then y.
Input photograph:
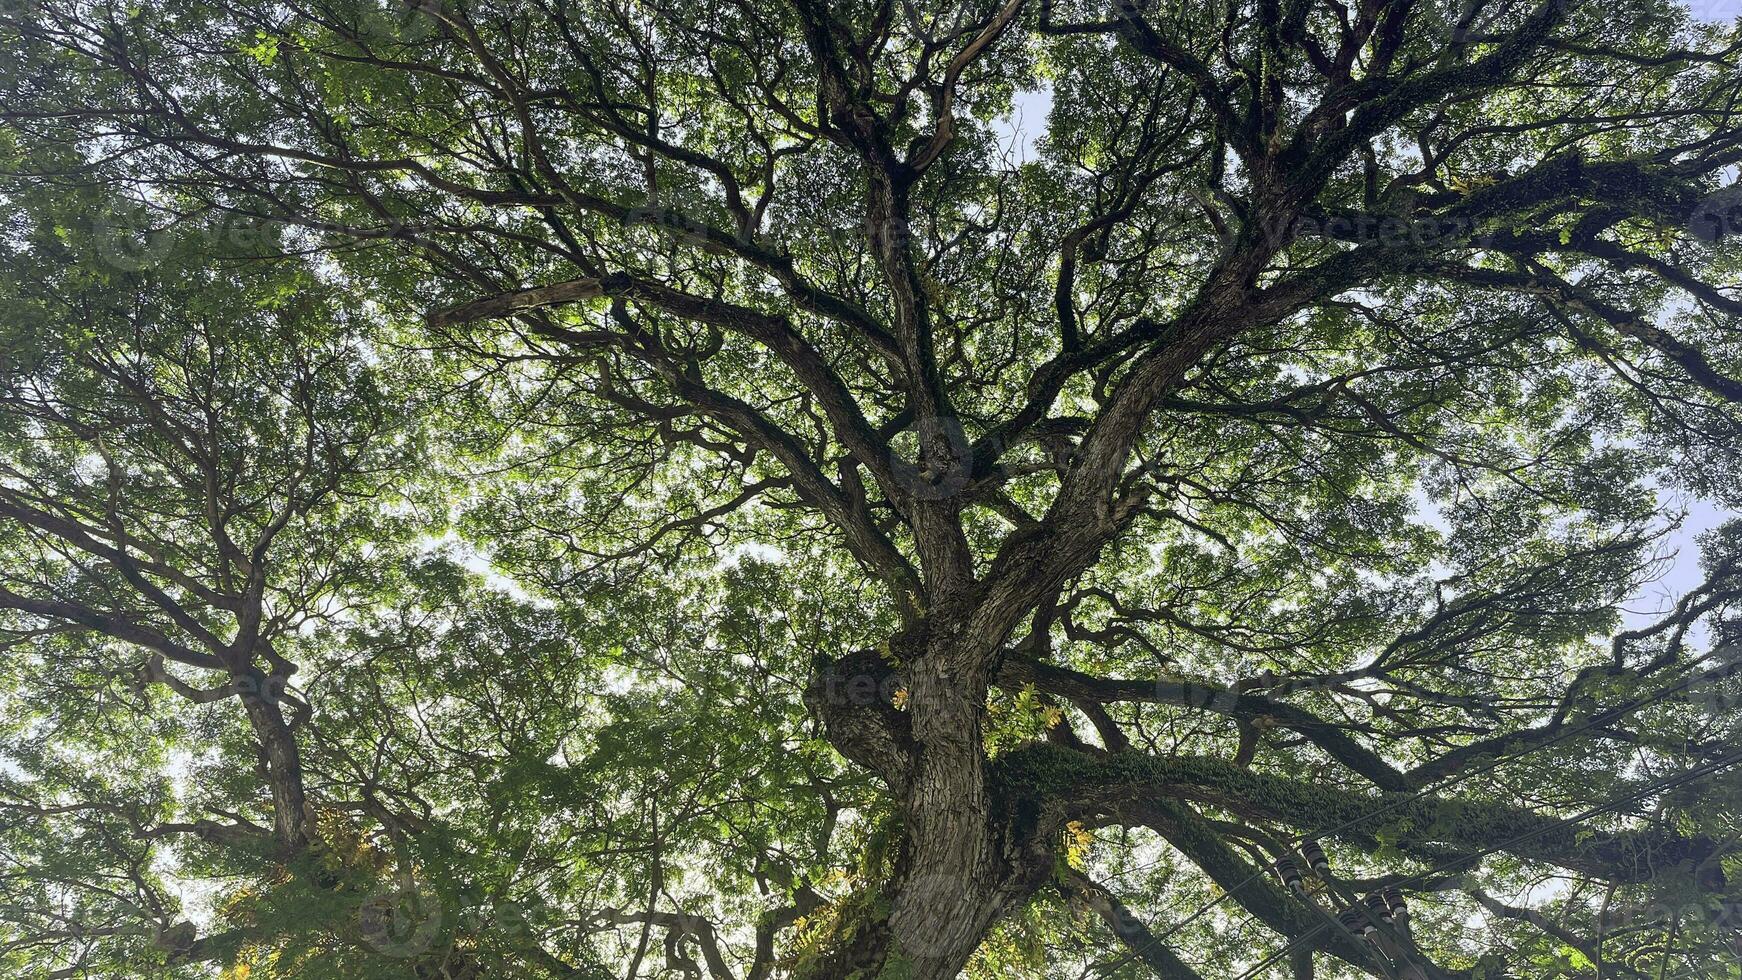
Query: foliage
{"type": "Point", "coordinates": [589, 488]}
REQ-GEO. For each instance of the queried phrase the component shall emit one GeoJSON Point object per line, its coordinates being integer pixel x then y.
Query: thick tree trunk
{"type": "Point", "coordinates": [969, 855]}
{"type": "Point", "coordinates": [949, 894]}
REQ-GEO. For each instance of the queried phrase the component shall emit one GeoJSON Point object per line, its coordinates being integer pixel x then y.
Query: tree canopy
{"type": "Point", "coordinates": [752, 488]}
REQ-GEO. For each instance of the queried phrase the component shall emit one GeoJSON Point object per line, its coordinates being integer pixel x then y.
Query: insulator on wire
{"type": "Point", "coordinates": [1289, 872]}
{"type": "Point", "coordinates": [1394, 901]}
{"type": "Point", "coordinates": [1315, 856]}
{"type": "Point", "coordinates": [1376, 901]}
{"type": "Point", "coordinates": [1354, 920]}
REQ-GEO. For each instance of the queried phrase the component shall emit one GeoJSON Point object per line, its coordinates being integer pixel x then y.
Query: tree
{"type": "Point", "coordinates": [570, 489]}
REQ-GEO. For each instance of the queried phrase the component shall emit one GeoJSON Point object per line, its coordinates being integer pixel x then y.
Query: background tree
{"type": "Point", "coordinates": [569, 489]}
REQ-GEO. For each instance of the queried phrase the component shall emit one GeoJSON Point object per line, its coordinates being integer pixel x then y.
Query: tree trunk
{"type": "Point", "coordinates": [948, 896]}
{"type": "Point", "coordinates": [283, 761]}
{"type": "Point", "coordinates": [969, 853]}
